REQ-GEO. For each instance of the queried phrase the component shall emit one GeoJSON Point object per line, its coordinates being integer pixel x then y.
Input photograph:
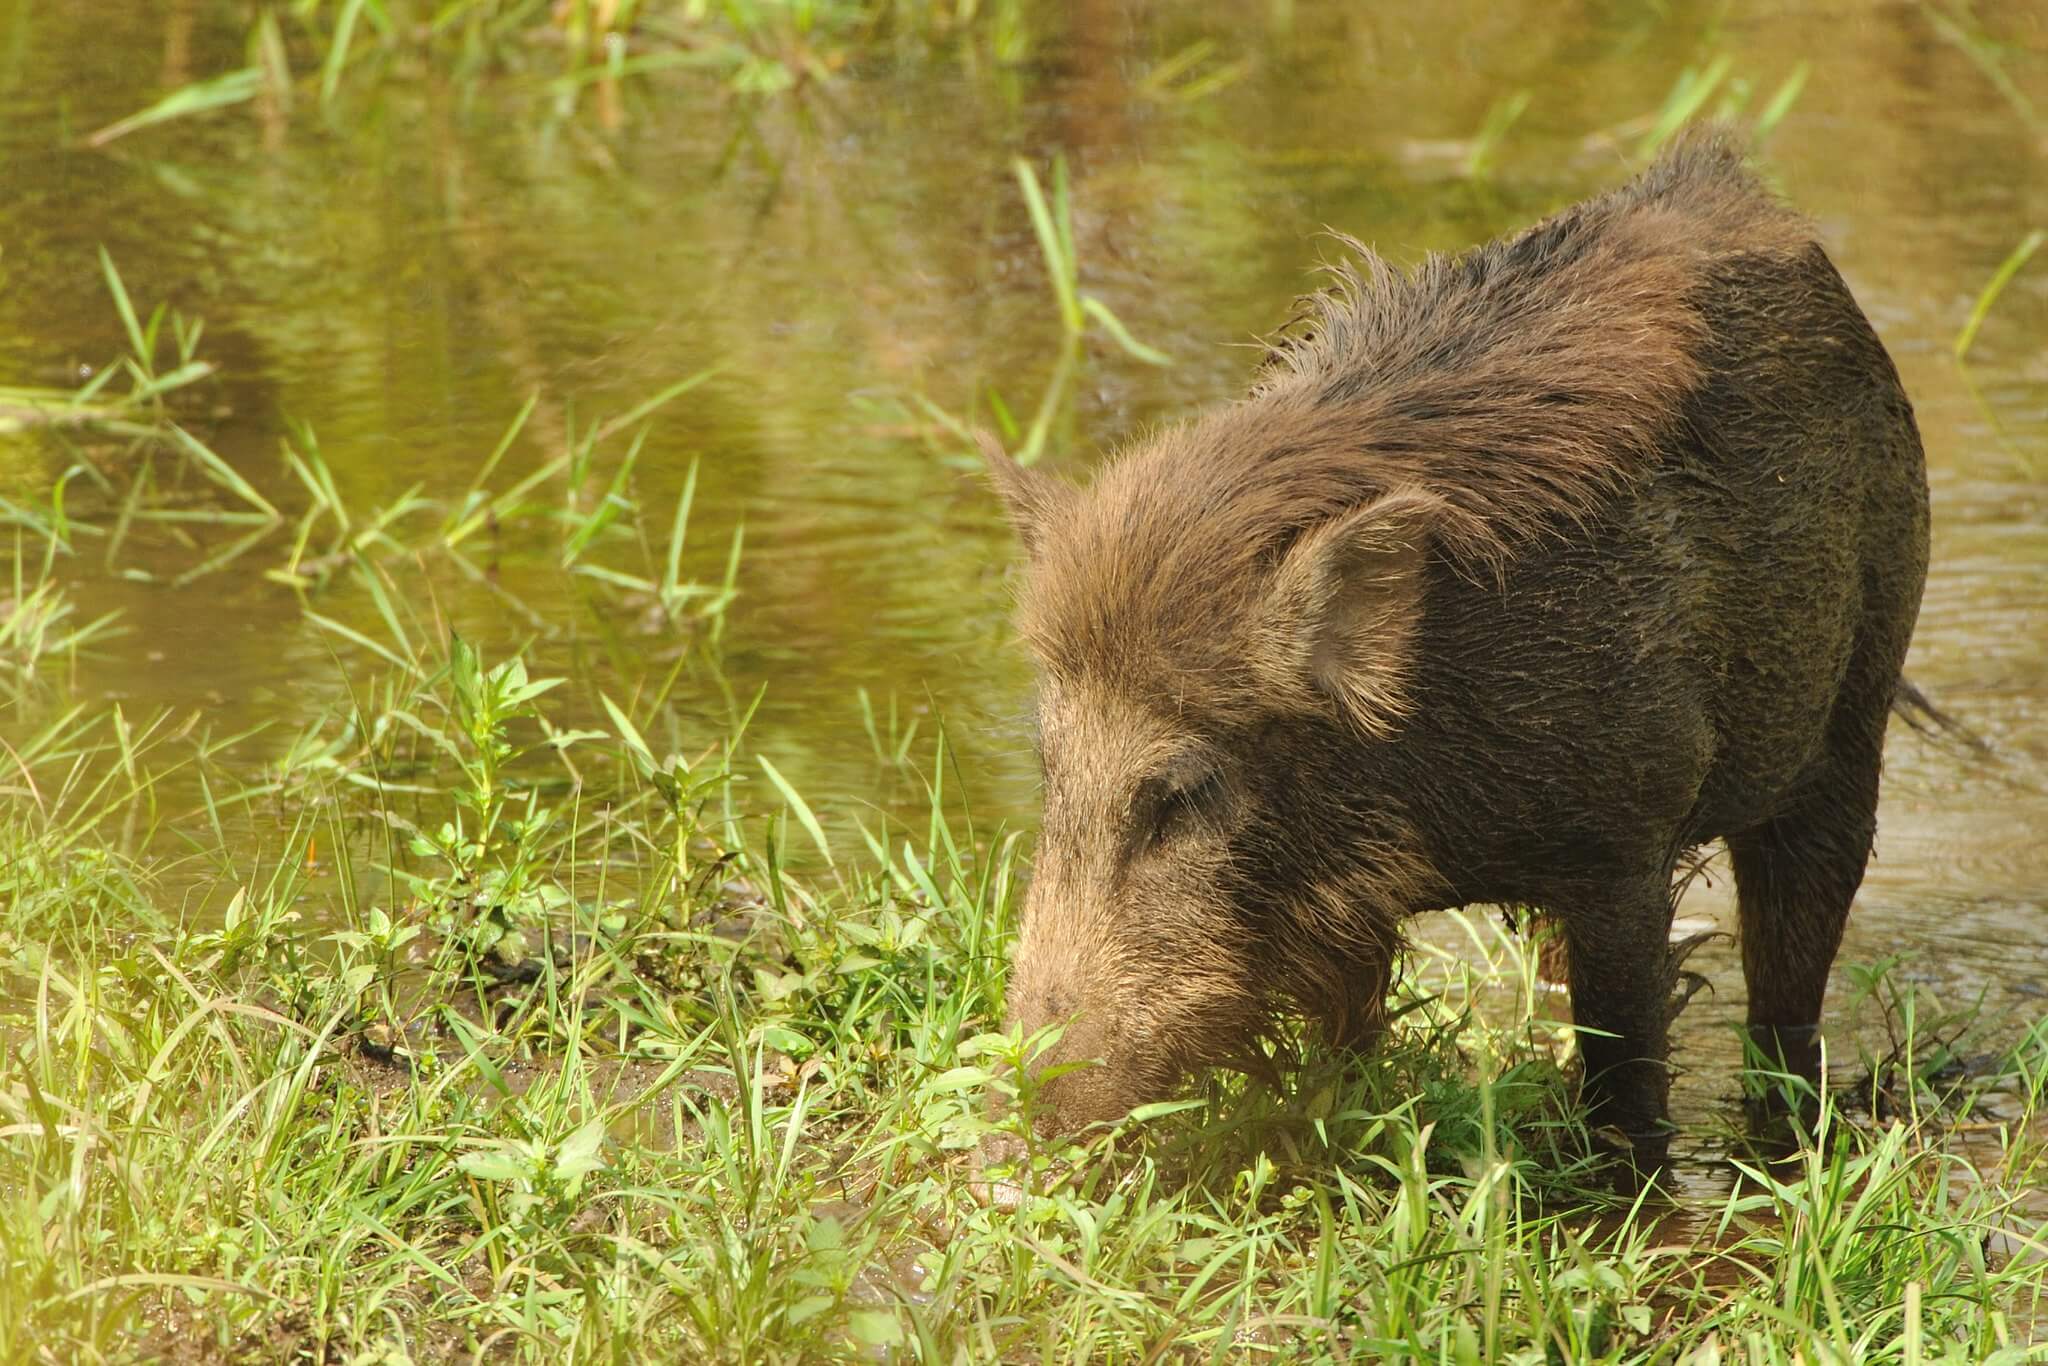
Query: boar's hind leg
{"type": "Point", "coordinates": [1795, 875]}
{"type": "Point", "coordinates": [1618, 959]}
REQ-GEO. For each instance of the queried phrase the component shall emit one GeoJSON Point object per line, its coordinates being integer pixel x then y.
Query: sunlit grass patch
{"type": "Point", "coordinates": [600, 1068]}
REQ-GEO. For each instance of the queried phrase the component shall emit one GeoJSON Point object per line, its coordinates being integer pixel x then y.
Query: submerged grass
{"type": "Point", "coordinates": [1995, 286]}
{"type": "Point", "coordinates": [314, 48]}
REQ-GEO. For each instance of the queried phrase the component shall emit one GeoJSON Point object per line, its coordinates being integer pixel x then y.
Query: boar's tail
{"type": "Point", "coordinates": [1913, 707]}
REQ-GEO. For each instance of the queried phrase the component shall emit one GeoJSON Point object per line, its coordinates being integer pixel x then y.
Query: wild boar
{"type": "Point", "coordinates": [1514, 580]}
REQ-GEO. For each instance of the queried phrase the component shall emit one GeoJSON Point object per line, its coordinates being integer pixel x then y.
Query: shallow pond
{"type": "Point", "coordinates": [401, 271]}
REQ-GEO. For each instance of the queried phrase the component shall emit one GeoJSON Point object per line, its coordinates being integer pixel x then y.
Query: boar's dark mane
{"type": "Point", "coordinates": [1525, 384]}
{"type": "Point", "coordinates": [1527, 380]}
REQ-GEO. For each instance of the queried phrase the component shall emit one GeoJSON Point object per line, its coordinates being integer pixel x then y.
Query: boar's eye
{"type": "Point", "coordinates": [1176, 807]}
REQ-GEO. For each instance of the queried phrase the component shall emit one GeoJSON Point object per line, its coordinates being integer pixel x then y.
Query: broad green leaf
{"type": "Point", "coordinates": [581, 1152]}
{"type": "Point", "coordinates": [875, 1327]}
{"type": "Point", "coordinates": [492, 1164]}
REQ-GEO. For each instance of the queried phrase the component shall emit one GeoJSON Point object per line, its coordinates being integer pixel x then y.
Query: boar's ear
{"type": "Point", "coordinates": [1344, 608]}
{"type": "Point", "coordinates": [1032, 498]}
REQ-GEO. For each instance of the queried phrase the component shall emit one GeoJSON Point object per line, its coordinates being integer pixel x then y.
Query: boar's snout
{"type": "Point", "coordinates": [1080, 1079]}
{"type": "Point", "coordinates": [1084, 1076]}
{"type": "Point", "coordinates": [1137, 1008]}
{"type": "Point", "coordinates": [1134, 939]}
{"type": "Point", "coordinates": [1072, 972]}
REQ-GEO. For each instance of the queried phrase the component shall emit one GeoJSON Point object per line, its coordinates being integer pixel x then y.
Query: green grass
{"type": "Point", "coordinates": [1052, 224]}
{"type": "Point", "coordinates": [136, 405]}
{"type": "Point", "coordinates": [492, 1061]}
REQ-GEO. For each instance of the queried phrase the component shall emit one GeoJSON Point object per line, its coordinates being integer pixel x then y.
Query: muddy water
{"type": "Point", "coordinates": [402, 272]}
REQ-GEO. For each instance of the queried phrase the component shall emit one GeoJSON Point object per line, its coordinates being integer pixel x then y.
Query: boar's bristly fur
{"type": "Point", "coordinates": [1514, 579]}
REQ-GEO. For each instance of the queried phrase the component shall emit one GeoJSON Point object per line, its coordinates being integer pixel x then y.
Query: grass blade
{"type": "Point", "coordinates": [1688, 94]}
{"type": "Point", "coordinates": [337, 50]}
{"type": "Point", "coordinates": [1782, 100]}
{"type": "Point", "coordinates": [1113, 325]}
{"type": "Point", "coordinates": [1999, 280]}
{"type": "Point", "coordinates": [218, 93]}
{"type": "Point", "coordinates": [1057, 265]}
{"type": "Point", "coordinates": [1500, 118]}
{"type": "Point", "coordinates": [124, 307]}
{"type": "Point", "coordinates": [223, 473]}
{"type": "Point", "coordinates": [672, 571]}
{"type": "Point", "coordinates": [660, 400]}
{"type": "Point", "coordinates": [798, 805]}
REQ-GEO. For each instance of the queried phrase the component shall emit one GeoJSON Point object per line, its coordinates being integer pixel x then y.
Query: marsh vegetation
{"type": "Point", "coordinates": [512, 797]}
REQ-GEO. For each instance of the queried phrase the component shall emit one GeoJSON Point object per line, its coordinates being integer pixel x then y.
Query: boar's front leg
{"type": "Point", "coordinates": [1617, 941]}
